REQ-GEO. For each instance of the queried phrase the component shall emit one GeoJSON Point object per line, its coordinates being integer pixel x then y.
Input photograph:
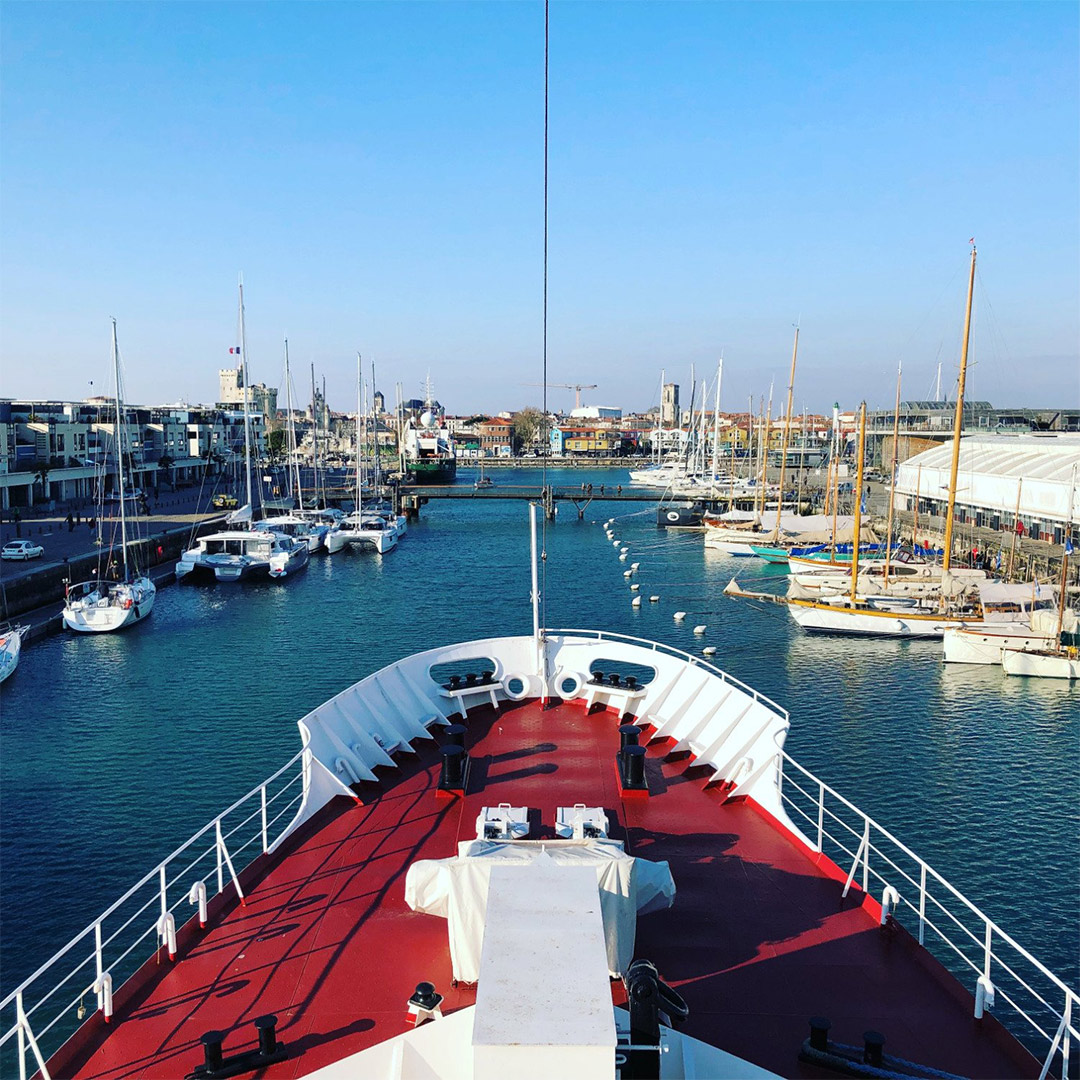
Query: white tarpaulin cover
{"type": "Point", "coordinates": [456, 889]}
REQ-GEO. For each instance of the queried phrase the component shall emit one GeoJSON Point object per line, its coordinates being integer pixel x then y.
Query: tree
{"type": "Point", "coordinates": [275, 444]}
{"type": "Point", "coordinates": [41, 475]}
{"type": "Point", "coordinates": [525, 427]}
{"type": "Point", "coordinates": [166, 462]}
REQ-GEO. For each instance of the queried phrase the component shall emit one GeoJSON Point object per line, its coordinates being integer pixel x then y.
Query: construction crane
{"type": "Point", "coordinates": [576, 387]}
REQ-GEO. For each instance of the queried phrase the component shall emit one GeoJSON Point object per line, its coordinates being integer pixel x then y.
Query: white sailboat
{"type": "Point", "coordinates": [249, 550]}
{"type": "Point", "coordinates": [10, 647]}
{"type": "Point", "coordinates": [102, 605]}
{"type": "Point", "coordinates": [362, 528]}
{"type": "Point", "coordinates": [1055, 660]}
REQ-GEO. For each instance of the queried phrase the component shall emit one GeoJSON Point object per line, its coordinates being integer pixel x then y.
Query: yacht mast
{"type": "Point", "coordinates": [247, 419]}
{"type": "Point", "coordinates": [314, 438]}
{"type": "Point", "coordinates": [958, 425]}
{"type": "Point", "coordinates": [892, 473]}
{"type": "Point", "coordinates": [716, 424]}
{"type": "Point", "coordinates": [763, 453]}
{"type": "Point", "coordinates": [858, 502]}
{"type": "Point", "coordinates": [359, 502]}
{"type": "Point", "coordinates": [120, 449]}
{"type": "Point", "coordinates": [784, 441]}
{"type": "Point", "coordinates": [291, 429]}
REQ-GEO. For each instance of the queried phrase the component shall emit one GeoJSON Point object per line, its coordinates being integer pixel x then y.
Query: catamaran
{"type": "Point", "coordinates": [112, 600]}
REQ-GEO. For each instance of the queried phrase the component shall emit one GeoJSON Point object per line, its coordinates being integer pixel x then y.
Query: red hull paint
{"type": "Point", "coordinates": [757, 942]}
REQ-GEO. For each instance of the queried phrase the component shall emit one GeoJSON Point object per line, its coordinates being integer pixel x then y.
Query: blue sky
{"type": "Point", "coordinates": [718, 171]}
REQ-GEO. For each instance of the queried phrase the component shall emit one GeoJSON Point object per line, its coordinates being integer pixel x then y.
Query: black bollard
{"type": "Point", "coordinates": [633, 758]}
{"type": "Point", "coordinates": [212, 1056]}
{"type": "Point", "coordinates": [819, 1033]}
{"type": "Point", "coordinates": [455, 734]}
{"type": "Point", "coordinates": [452, 774]}
{"type": "Point", "coordinates": [614, 678]}
{"type": "Point", "coordinates": [628, 735]}
{"type": "Point", "coordinates": [631, 682]}
{"type": "Point", "coordinates": [266, 1027]}
{"type": "Point", "coordinates": [455, 681]}
{"type": "Point", "coordinates": [873, 1042]}
{"type": "Point", "coordinates": [470, 679]}
{"type": "Point", "coordinates": [597, 677]}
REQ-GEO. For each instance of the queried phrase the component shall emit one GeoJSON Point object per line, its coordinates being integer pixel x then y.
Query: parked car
{"type": "Point", "coordinates": [22, 549]}
{"type": "Point", "coordinates": [224, 502]}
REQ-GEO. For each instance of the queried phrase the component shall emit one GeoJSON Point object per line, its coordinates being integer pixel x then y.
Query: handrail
{"type": "Point", "coordinates": [657, 646]}
{"type": "Point", "coordinates": [985, 942]}
{"type": "Point", "coordinates": [155, 887]}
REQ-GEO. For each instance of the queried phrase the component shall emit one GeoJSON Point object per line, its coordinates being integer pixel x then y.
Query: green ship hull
{"type": "Point", "coordinates": [433, 470]}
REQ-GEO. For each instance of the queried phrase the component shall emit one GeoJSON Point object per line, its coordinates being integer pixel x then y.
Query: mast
{"type": "Point", "coordinates": [918, 493]}
{"type": "Point", "coordinates": [835, 508]}
{"type": "Point", "coordinates": [1016, 528]}
{"type": "Point", "coordinates": [660, 421]}
{"type": "Point", "coordinates": [787, 428]}
{"type": "Point", "coordinates": [291, 429]}
{"type": "Point", "coordinates": [359, 498]}
{"type": "Point", "coordinates": [374, 432]}
{"type": "Point", "coordinates": [892, 475]}
{"type": "Point", "coordinates": [763, 453]}
{"type": "Point", "coordinates": [858, 502]}
{"type": "Point", "coordinates": [1065, 559]}
{"type": "Point", "coordinates": [314, 438]}
{"type": "Point", "coordinates": [326, 435]}
{"type": "Point", "coordinates": [716, 422]}
{"type": "Point", "coordinates": [120, 449]}
{"type": "Point", "coordinates": [247, 418]}
{"type": "Point", "coordinates": [958, 425]}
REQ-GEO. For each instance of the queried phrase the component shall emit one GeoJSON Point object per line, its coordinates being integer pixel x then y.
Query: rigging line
{"type": "Point", "coordinates": [544, 419]}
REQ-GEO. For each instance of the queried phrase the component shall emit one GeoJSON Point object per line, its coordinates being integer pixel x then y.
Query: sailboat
{"type": "Point", "coordinates": [249, 550]}
{"type": "Point", "coordinates": [10, 646]}
{"type": "Point", "coordinates": [362, 528]}
{"type": "Point", "coordinates": [295, 523]}
{"type": "Point", "coordinates": [103, 605]}
{"type": "Point", "coordinates": [1056, 661]}
{"type": "Point", "coordinates": [482, 482]}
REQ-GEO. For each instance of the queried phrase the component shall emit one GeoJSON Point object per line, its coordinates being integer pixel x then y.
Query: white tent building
{"type": "Point", "coordinates": [1041, 470]}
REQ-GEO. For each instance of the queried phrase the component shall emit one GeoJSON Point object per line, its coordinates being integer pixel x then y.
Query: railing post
{"type": "Point", "coordinates": [866, 856]}
{"type": "Point", "coordinates": [262, 792]}
{"type": "Point", "coordinates": [21, 1035]}
{"type": "Point", "coordinates": [922, 903]}
{"type": "Point", "coordinates": [820, 816]}
{"type": "Point", "coordinates": [99, 964]}
{"type": "Point", "coordinates": [1067, 1015]}
{"type": "Point", "coordinates": [218, 845]}
{"type": "Point", "coordinates": [986, 951]}
{"type": "Point", "coordinates": [164, 902]}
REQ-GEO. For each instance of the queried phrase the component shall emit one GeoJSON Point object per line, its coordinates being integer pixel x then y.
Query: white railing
{"type": "Point", "coordinates": [937, 915]}
{"type": "Point", "coordinates": [655, 646]}
{"type": "Point", "coordinates": [113, 946]}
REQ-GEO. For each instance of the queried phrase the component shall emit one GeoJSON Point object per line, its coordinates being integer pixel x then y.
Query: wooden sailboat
{"type": "Point", "coordinates": [1058, 661]}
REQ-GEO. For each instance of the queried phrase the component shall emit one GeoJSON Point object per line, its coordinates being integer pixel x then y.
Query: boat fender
{"type": "Point", "coordinates": [197, 895]}
{"type": "Point", "coordinates": [984, 996]}
{"type": "Point", "coordinates": [890, 900]}
{"type": "Point", "coordinates": [561, 677]}
{"type": "Point", "coordinates": [516, 695]}
{"type": "Point", "coordinates": [166, 931]}
{"type": "Point", "coordinates": [103, 988]}
{"type": "Point", "coordinates": [127, 603]}
{"type": "Point", "coordinates": [672, 515]}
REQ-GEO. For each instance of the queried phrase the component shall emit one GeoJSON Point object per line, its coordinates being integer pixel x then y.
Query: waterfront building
{"type": "Point", "coordinates": [496, 437]}
{"type": "Point", "coordinates": [262, 399]}
{"type": "Point", "coordinates": [596, 412]}
{"type": "Point", "coordinates": [1040, 471]}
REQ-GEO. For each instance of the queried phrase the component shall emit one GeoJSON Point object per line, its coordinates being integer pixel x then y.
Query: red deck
{"type": "Point", "coordinates": [757, 942]}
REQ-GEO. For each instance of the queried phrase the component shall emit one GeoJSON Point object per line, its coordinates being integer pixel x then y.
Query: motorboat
{"type": "Point", "coordinates": [299, 527]}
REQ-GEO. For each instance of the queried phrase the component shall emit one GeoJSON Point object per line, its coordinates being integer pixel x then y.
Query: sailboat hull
{"type": "Point", "coordinates": [974, 645]}
{"type": "Point", "coordinates": [126, 605]}
{"type": "Point", "coordinates": [1044, 665]}
{"type": "Point", "coordinates": [829, 619]}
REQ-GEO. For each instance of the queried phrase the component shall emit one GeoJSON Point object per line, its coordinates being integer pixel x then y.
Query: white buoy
{"type": "Point", "coordinates": [634, 565]}
{"type": "Point", "coordinates": [622, 558]}
{"type": "Point", "coordinates": [624, 550]}
{"type": "Point", "coordinates": [626, 573]}
{"type": "Point", "coordinates": [679, 616]}
{"type": "Point", "coordinates": [636, 602]}
{"type": "Point", "coordinates": [653, 599]}
{"type": "Point", "coordinates": [699, 629]}
{"type": "Point", "coordinates": [615, 543]}
{"type": "Point", "coordinates": [633, 588]}
{"type": "Point", "coordinates": [709, 650]}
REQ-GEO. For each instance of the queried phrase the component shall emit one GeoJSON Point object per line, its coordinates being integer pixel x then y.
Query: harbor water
{"type": "Point", "coordinates": [115, 748]}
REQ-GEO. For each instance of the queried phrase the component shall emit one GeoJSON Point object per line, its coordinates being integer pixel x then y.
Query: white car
{"type": "Point", "coordinates": [22, 549]}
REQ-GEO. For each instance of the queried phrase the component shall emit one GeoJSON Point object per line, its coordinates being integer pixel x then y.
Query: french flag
{"type": "Point", "coordinates": [236, 351]}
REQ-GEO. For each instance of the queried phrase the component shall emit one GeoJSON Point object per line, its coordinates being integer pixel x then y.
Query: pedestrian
{"type": "Point", "coordinates": [70, 522]}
